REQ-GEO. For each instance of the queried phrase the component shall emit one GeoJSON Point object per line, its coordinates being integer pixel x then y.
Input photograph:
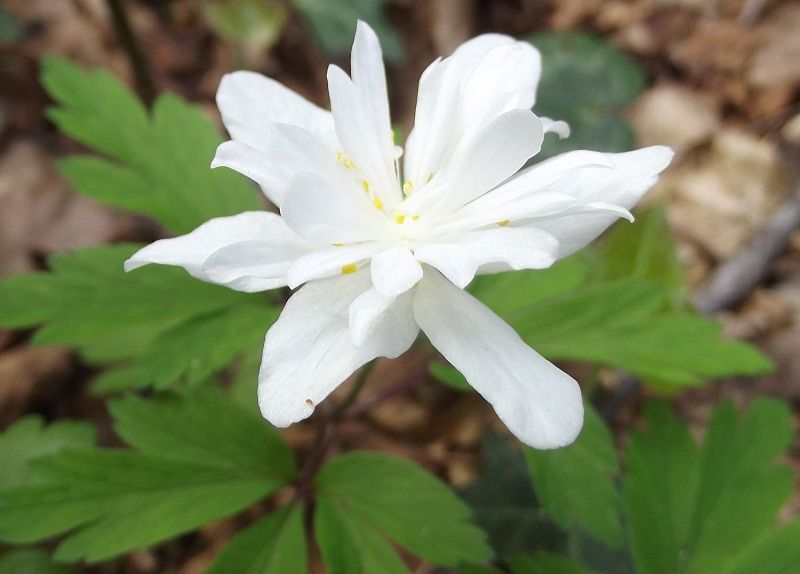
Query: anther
{"type": "Point", "coordinates": [344, 160]}
{"type": "Point", "coordinates": [400, 218]}
{"type": "Point", "coordinates": [365, 185]}
{"type": "Point", "coordinates": [349, 268]}
{"type": "Point", "coordinates": [377, 203]}
{"type": "Point", "coordinates": [503, 222]}
{"type": "Point", "coordinates": [408, 188]}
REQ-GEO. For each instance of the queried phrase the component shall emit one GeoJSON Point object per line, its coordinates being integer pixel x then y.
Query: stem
{"type": "Point", "coordinates": [141, 71]}
{"type": "Point", "coordinates": [417, 377]}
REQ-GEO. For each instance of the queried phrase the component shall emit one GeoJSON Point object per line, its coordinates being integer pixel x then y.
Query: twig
{"type": "Point", "coordinates": [417, 377]}
{"type": "Point", "coordinates": [736, 278]}
{"type": "Point", "coordinates": [141, 71]}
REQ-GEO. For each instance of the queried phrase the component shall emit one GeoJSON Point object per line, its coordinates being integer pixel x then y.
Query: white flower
{"type": "Point", "coordinates": [381, 256]}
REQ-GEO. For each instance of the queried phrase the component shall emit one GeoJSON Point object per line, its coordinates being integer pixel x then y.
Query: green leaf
{"type": "Point", "coordinates": [411, 507]}
{"type": "Point", "coordinates": [546, 563]}
{"type": "Point", "coordinates": [688, 508]}
{"type": "Point", "coordinates": [450, 376]}
{"type": "Point", "coordinates": [741, 487]}
{"type": "Point", "coordinates": [575, 484]}
{"type": "Point", "coordinates": [659, 490]}
{"type": "Point", "coordinates": [275, 544]}
{"type": "Point", "coordinates": [199, 457]}
{"type": "Point", "coordinates": [646, 249]}
{"type": "Point", "coordinates": [28, 439]}
{"type": "Point", "coordinates": [160, 161]}
{"type": "Point", "coordinates": [777, 552]}
{"type": "Point", "coordinates": [334, 22]}
{"type": "Point", "coordinates": [200, 347]}
{"type": "Point", "coordinates": [586, 82]}
{"type": "Point", "coordinates": [31, 561]}
{"type": "Point", "coordinates": [257, 23]}
{"type": "Point", "coordinates": [174, 325]}
{"type": "Point", "coordinates": [203, 425]}
{"type": "Point", "coordinates": [504, 503]}
{"type": "Point", "coordinates": [350, 545]}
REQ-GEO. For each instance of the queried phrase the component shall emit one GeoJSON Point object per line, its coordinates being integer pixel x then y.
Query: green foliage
{"type": "Point", "coordinates": [333, 21]}
{"type": "Point", "coordinates": [29, 439]}
{"type": "Point", "coordinates": [159, 161]}
{"type": "Point", "coordinates": [256, 23]}
{"type": "Point", "coordinates": [197, 458]}
{"type": "Point", "coordinates": [410, 507]}
{"type": "Point", "coordinates": [171, 325]}
{"type": "Point", "coordinates": [586, 82]}
{"type": "Point", "coordinates": [575, 484]}
{"type": "Point", "coordinates": [504, 503]}
{"type": "Point", "coordinates": [449, 376]}
{"type": "Point", "coordinates": [691, 509]}
{"type": "Point", "coordinates": [30, 561]}
{"type": "Point", "coordinates": [275, 544]}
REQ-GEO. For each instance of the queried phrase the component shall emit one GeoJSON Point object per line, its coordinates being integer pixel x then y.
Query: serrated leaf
{"type": "Point", "coordinates": [334, 23]}
{"type": "Point", "coordinates": [160, 161]}
{"type": "Point", "coordinates": [275, 544]}
{"type": "Point", "coordinates": [31, 561]}
{"type": "Point", "coordinates": [29, 439]}
{"type": "Point", "coordinates": [157, 314]}
{"type": "Point", "coordinates": [350, 545]}
{"type": "Point", "coordinates": [546, 563]}
{"type": "Point", "coordinates": [205, 460]}
{"type": "Point", "coordinates": [646, 249]}
{"type": "Point", "coordinates": [689, 508]}
{"type": "Point", "coordinates": [741, 486]}
{"type": "Point", "coordinates": [587, 82]}
{"type": "Point", "coordinates": [504, 503]}
{"type": "Point", "coordinates": [575, 484]}
{"type": "Point", "coordinates": [199, 347]}
{"type": "Point", "coordinates": [659, 490]}
{"type": "Point", "coordinates": [411, 507]}
{"type": "Point", "coordinates": [203, 425]}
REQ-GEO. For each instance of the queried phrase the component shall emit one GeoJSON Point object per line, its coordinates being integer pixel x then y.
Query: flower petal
{"type": "Point", "coordinates": [505, 248]}
{"type": "Point", "coordinates": [331, 261]}
{"type": "Point", "coordinates": [193, 250]}
{"type": "Point", "coordinates": [394, 271]}
{"type": "Point", "coordinates": [364, 313]}
{"type": "Point", "coordinates": [603, 195]}
{"type": "Point", "coordinates": [250, 266]}
{"type": "Point", "coordinates": [308, 352]}
{"type": "Point", "coordinates": [538, 402]}
{"type": "Point", "coordinates": [320, 211]}
{"type": "Point", "coordinates": [490, 158]}
{"type": "Point", "coordinates": [251, 104]}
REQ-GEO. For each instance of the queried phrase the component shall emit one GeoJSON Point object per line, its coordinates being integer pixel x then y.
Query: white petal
{"type": "Point", "coordinates": [331, 261]}
{"type": "Point", "coordinates": [395, 271]}
{"type": "Point", "coordinates": [538, 402]}
{"type": "Point", "coordinates": [308, 352]}
{"type": "Point", "coordinates": [191, 251]}
{"type": "Point", "coordinates": [320, 211]}
{"type": "Point", "coordinates": [253, 265]}
{"type": "Point", "coordinates": [603, 195]}
{"type": "Point", "coordinates": [364, 139]}
{"type": "Point", "coordinates": [507, 248]}
{"type": "Point", "coordinates": [364, 312]}
{"type": "Point", "coordinates": [288, 151]}
{"type": "Point", "coordinates": [493, 156]}
{"type": "Point", "coordinates": [369, 77]}
{"type": "Point", "coordinates": [460, 95]}
{"type": "Point", "coordinates": [251, 104]}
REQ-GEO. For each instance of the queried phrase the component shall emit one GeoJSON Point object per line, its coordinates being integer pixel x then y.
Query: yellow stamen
{"type": "Point", "coordinates": [344, 160]}
{"type": "Point", "coordinates": [349, 268]}
{"type": "Point", "coordinates": [400, 218]}
{"type": "Point", "coordinates": [430, 177]}
{"type": "Point", "coordinates": [503, 222]}
{"type": "Point", "coordinates": [408, 187]}
{"type": "Point", "coordinates": [377, 203]}
{"type": "Point", "coordinates": [415, 217]}
{"type": "Point", "coordinates": [337, 244]}
{"type": "Point", "coordinates": [365, 185]}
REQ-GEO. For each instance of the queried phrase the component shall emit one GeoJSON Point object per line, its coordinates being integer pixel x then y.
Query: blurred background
{"type": "Point", "coordinates": [717, 80]}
